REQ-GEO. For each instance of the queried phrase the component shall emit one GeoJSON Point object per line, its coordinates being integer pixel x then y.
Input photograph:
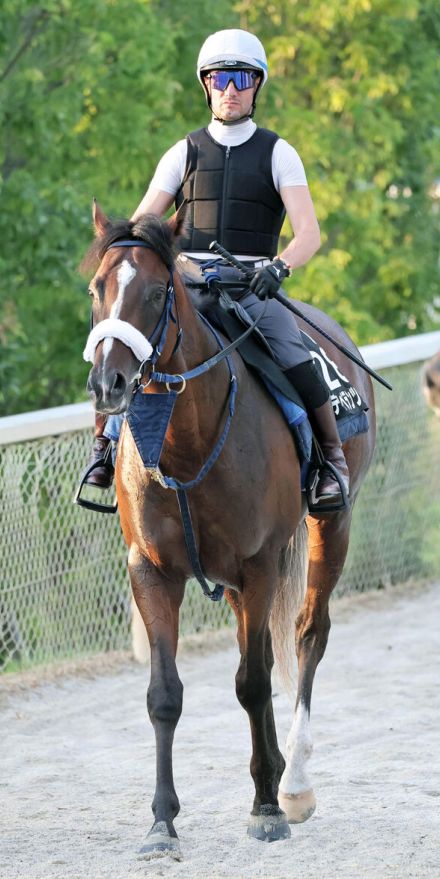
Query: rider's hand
{"type": "Point", "coordinates": [267, 281]}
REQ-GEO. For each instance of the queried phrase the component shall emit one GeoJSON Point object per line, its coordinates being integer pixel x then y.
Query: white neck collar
{"type": "Point", "coordinates": [231, 135]}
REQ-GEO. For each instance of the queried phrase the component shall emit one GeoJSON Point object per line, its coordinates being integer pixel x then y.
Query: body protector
{"type": "Point", "coordinates": [231, 196]}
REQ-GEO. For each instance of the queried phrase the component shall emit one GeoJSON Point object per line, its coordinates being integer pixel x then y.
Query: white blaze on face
{"type": "Point", "coordinates": [299, 747]}
{"type": "Point", "coordinates": [126, 273]}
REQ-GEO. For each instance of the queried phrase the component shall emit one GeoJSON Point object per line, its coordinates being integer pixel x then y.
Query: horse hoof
{"type": "Point", "coordinates": [298, 807]}
{"type": "Point", "coordinates": [160, 843]}
{"type": "Point", "coordinates": [269, 825]}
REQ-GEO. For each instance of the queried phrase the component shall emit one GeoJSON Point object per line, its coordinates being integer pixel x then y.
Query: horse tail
{"type": "Point", "coordinates": [287, 603]}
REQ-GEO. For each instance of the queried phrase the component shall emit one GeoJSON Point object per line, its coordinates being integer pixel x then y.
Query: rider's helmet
{"type": "Point", "coordinates": [235, 50]}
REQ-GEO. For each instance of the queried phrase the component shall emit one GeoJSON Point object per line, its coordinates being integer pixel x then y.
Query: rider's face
{"type": "Point", "coordinates": [231, 104]}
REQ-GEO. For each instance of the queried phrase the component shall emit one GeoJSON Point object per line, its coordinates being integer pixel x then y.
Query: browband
{"type": "Point", "coordinates": [130, 242]}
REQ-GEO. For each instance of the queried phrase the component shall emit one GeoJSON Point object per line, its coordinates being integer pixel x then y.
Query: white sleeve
{"type": "Point", "coordinates": [287, 167]}
{"type": "Point", "coordinates": [170, 171]}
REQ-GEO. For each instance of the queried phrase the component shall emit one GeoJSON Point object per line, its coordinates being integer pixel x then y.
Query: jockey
{"type": "Point", "coordinates": [239, 181]}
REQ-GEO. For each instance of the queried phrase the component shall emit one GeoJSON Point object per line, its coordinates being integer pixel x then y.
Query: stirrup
{"type": "Point", "coordinates": [93, 505]}
{"type": "Point", "coordinates": [312, 484]}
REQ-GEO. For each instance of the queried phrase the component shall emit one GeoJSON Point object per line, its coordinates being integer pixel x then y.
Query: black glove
{"type": "Point", "coordinates": [267, 281]}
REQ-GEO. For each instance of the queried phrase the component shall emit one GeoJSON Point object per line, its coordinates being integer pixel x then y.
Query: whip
{"type": "Point", "coordinates": [217, 248]}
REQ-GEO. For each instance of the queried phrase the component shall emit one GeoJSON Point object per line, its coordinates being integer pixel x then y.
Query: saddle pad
{"type": "Point", "coordinates": [348, 405]}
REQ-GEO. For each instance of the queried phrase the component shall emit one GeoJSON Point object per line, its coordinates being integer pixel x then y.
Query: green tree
{"type": "Point", "coordinates": [91, 95]}
{"type": "Point", "coordinates": [353, 90]}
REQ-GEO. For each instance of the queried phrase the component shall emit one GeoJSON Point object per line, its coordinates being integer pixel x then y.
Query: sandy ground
{"type": "Point", "coordinates": [78, 762]}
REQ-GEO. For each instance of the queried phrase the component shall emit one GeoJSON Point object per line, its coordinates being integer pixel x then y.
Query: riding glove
{"type": "Point", "coordinates": [267, 281]}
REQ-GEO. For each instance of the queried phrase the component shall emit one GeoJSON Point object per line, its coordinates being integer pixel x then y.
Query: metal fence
{"type": "Point", "coordinates": [64, 590]}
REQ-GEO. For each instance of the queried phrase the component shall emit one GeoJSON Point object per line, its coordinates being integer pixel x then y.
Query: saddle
{"type": "Point", "coordinates": [215, 296]}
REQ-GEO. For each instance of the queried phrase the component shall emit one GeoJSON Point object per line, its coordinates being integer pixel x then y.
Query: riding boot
{"type": "Point", "coordinates": [324, 427]}
{"type": "Point", "coordinates": [101, 476]}
{"type": "Point", "coordinates": [316, 397]}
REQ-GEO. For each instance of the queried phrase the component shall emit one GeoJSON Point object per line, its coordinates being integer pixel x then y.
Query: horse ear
{"type": "Point", "coordinates": [100, 221]}
{"type": "Point", "coordinates": [177, 221]}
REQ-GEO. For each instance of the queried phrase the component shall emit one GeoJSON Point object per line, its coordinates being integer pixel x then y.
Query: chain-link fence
{"type": "Point", "coordinates": [64, 589]}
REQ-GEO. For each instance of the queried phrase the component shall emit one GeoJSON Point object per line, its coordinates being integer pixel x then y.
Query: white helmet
{"type": "Point", "coordinates": [232, 48]}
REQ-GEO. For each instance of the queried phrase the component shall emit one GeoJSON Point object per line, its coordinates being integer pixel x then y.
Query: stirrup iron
{"type": "Point", "coordinates": [312, 484]}
{"type": "Point", "coordinates": [94, 505]}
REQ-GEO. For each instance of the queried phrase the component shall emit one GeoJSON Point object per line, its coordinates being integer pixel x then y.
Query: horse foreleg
{"type": "Point", "coordinates": [328, 544]}
{"type": "Point", "coordinates": [253, 686]}
{"type": "Point", "coordinates": [159, 600]}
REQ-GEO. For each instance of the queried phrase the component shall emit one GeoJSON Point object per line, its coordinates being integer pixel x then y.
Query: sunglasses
{"type": "Point", "coordinates": [242, 79]}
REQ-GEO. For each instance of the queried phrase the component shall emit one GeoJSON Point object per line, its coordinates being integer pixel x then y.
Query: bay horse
{"type": "Point", "coordinates": [249, 517]}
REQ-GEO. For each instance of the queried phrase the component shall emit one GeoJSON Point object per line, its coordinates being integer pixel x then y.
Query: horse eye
{"type": "Point", "coordinates": [153, 294]}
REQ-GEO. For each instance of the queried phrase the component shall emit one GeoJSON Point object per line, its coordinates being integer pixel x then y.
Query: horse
{"type": "Point", "coordinates": [431, 383]}
{"type": "Point", "coordinates": [278, 565]}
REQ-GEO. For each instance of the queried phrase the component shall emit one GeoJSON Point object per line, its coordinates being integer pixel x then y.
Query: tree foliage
{"type": "Point", "coordinates": [353, 88]}
{"type": "Point", "coordinates": [91, 95]}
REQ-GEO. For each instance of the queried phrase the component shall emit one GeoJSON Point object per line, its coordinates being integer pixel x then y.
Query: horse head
{"type": "Point", "coordinates": [431, 383]}
{"type": "Point", "coordinates": [130, 294]}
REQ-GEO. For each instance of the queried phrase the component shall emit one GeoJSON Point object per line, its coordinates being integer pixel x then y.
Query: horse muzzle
{"type": "Point", "coordinates": [109, 385]}
{"type": "Point", "coordinates": [109, 390]}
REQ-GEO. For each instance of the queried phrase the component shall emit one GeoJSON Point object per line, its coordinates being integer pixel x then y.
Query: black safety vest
{"type": "Point", "coordinates": [230, 194]}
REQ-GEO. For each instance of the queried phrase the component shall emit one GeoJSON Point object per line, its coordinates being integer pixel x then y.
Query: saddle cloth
{"type": "Point", "coordinates": [348, 406]}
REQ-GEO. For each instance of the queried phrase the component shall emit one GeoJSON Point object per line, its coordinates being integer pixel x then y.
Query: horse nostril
{"type": "Point", "coordinates": [119, 384]}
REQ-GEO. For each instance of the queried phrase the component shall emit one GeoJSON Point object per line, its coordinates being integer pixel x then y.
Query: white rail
{"type": "Point", "coordinates": [399, 351]}
{"type": "Point", "coordinates": [45, 422]}
{"type": "Point", "coordinates": [66, 419]}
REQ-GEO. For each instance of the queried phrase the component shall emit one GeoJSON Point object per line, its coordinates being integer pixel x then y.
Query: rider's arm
{"type": "Point", "coordinates": [290, 181]}
{"type": "Point", "coordinates": [165, 183]}
{"type": "Point", "coordinates": [155, 201]}
{"type": "Point", "coordinates": [301, 212]}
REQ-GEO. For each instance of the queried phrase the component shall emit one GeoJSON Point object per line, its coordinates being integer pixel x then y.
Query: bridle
{"type": "Point", "coordinates": [148, 350]}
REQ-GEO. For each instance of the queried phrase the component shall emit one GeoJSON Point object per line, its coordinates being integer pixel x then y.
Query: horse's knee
{"type": "Point", "coordinates": [164, 701]}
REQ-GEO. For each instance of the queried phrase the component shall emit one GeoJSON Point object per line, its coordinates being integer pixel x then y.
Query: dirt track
{"type": "Point", "coordinates": [78, 763]}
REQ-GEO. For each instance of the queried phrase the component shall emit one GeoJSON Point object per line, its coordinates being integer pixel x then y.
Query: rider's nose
{"type": "Point", "coordinates": [230, 88]}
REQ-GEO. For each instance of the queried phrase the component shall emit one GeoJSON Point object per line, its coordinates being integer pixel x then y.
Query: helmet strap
{"type": "Point", "coordinates": [233, 121]}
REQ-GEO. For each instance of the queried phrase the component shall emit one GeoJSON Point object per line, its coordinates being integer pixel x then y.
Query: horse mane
{"type": "Point", "coordinates": [149, 228]}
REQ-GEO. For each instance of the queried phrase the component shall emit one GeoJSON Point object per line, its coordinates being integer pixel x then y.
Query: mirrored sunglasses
{"type": "Point", "coordinates": [242, 79]}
